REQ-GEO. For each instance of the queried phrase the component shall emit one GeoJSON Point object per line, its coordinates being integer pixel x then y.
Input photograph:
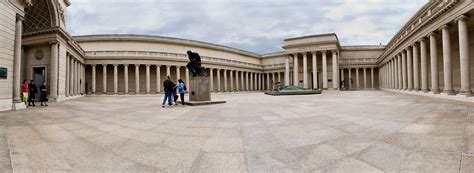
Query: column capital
{"type": "Point", "coordinates": [463, 17]}
{"type": "Point", "coordinates": [137, 65]}
{"type": "Point", "coordinates": [19, 17]}
{"type": "Point", "coordinates": [433, 34]}
{"type": "Point", "coordinates": [104, 65]}
{"type": "Point", "coordinates": [416, 44]}
{"type": "Point", "coordinates": [125, 65]}
{"type": "Point", "coordinates": [334, 51]}
{"type": "Point", "coordinates": [422, 39]}
{"type": "Point", "coordinates": [53, 42]}
{"type": "Point", "coordinates": [148, 65]}
{"type": "Point", "coordinates": [115, 65]}
{"type": "Point", "coordinates": [93, 65]}
{"type": "Point", "coordinates": [323, 51]}
{"type": "Point", "coordinates": [446, 26]}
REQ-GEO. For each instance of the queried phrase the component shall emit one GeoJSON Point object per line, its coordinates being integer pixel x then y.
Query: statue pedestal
{"type": "Point", "coordinates": [199, 93]}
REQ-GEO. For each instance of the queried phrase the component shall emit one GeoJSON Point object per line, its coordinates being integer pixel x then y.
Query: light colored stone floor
{"type": "Point", "coordinates": [354, 131]}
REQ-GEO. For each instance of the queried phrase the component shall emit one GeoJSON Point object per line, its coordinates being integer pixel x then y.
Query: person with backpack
{"type": "Point", "coordinates": [182, 90]}
{"type": "Point", "coordinates": [168, 86]}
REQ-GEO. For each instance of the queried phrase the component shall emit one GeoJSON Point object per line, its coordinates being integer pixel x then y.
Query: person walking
{"type": "Point", "coordinates": [182, 90]}
{"type": "Point", "coordinates": [32, 93]}
{"type": "Point", "coordinates": [44, 94]}
{"type": "Point", "coordinates": [24, 92]}
{"type": "Point", "coordinates": [168, 86]}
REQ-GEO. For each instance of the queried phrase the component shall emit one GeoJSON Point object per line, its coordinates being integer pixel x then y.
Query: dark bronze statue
{"type": "Point", "coordinates": [194, 64]}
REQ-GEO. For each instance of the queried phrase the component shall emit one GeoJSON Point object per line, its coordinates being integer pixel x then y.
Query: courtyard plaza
{"type": "Point", "coordinates": [353, 131]}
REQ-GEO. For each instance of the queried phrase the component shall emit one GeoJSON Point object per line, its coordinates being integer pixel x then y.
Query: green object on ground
{"type": "Point", "coordinates": [291, 88]}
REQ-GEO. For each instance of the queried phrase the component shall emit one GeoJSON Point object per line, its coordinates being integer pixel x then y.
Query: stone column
{"type": "Point", "coordinates": [416, 68]}
{"type": "Point", "coordinates": [410, 69]}
{"type": "Point", "coordinates": [295, 70]}
{"type": "Point", "coordinates": [168, 71]}
{"type": "Point", "coordinates": [249, 82]}
{"type": "Point", "coordinates": [287, 71]}
{"type": "Point", "coordinates": [272, 86]}
{"type": "Point", "coordinates": [178, 73]}
{"type": "Point", "coordinates": [404, 70]}
{"type": "Point", "coordinates": [424, 66]}
{"type": "Point", "coordinates": [115, 78]}
{"type": "Point", "coordinates": [315, 70]}
{"type": "Point", "coordinates": [335, 71]}
{"type": "Point", "coordinates": [237, 87]}
{"type": "Point", "coordinates": [17, 59]}
{"type": "Point", "coordinates": [104, 78]}
{"type": "Point", "coordinates": [350, 78]}
{"type": "Point", "coordinates": [74, 77]}
{"type": "Point", "coordinates": [71, 76]}
{"type": "Point", "coordinates": [365, 78]}
{"type": "Point", "coordinates": [94, 74]}
{"type": "Point", "coordinates": [158, 79]}
{"type": "Point", "coordinates": [218, 80]}
{"type": "Point", "coordinates": [464, 56]}
{"type": "Point", "coordinates": [225, 80]}
{"type": "Point", "coordinates": [400, 72]}
{"type": "Point", "coordinates": [392, 84]}
{"type": "Point", "coordinates": [305, 70]}
{"type": "Point", "coordinates": [279, 77]}
{"type": "Point", "coordinates": [68, 70]}
{"type": "Point", "coordinates": [357, 78]}
{"type": "Point", "coordinates": [372, 76]}
{"type": "Point", "coordinates": [211, 79]}
{"type": "Point", "coordinates": [434, 64]}
{"type": "Point", "coordinates": [54, 71]}
{"type": "Point", "coordinates": [147, 66]}
{"type": "Point", "coordinates": [78, 78]}
{"type": "Point", "coordinates": [325, 71]}
{"type": "Point", "coordinates": [447, 66]}
{"type": "Point", "coordinates": [342, 73]}
{"type": "Point", "coordinates": [125, 77]}
{"type": "Point", "coordinates": [137, 78]}
{"type": "Point", "coordinates": [246, 81]}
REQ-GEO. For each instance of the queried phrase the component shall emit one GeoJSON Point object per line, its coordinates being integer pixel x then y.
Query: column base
{"type": "Point", "coordinates": [435, 92]}
{"type": "Point", "coordinates": [425, 91]}
{"type": "Point", "coordinates": [465, 93]}
{"type": "Point", "coordinates": [449, 92]}
{"type": "Point", "coordinates": [18, 105]}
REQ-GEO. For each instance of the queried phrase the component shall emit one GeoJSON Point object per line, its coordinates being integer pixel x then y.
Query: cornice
{"type": "Point", "coordinates": [149, 38]}
{"type": "Point", "coordinates": [426, 15]}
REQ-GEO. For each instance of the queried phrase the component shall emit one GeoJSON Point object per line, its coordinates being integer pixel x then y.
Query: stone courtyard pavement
{"type": "Point", "coordinates": [354, 131]}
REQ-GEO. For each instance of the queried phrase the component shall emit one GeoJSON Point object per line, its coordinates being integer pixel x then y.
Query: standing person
{"type": "Point", "coordinates": [182, 90]}
{"type": "Point", "coordinates": [24, 92]}
{"type": "Point", "coordinates": [32, 91]}
{"type": "Point", "coordinates": [168, 86]}
{"type": "Point", "coordinates": [44, 94]}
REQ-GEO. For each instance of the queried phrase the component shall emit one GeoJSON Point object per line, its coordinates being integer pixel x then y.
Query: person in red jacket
{"type": "Point", "coordinates": [24, 92]}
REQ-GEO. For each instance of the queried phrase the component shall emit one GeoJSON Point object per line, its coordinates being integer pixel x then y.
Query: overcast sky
{"type": "Point", "coordinates": [258, 26]}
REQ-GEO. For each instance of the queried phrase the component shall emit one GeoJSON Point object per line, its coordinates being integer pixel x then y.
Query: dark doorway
{"type": "Point", "coordinates": [39, 75]}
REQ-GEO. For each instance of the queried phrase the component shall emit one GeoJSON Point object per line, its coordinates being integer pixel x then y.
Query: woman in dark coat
{"type": "Point", "coordinates": [44, 94]}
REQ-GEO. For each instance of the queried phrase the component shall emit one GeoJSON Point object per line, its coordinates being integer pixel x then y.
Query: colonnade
{"type": "Point", "coordinates": [227, 80]}
{"type": "Point", "coordinates": [365, 84]}
{"type": "Point", "coordinates": [75, 75]}
{"type": "Point", "coordinates": [314, 63]}
{"type": "Point", "coordinates": [408, 71]}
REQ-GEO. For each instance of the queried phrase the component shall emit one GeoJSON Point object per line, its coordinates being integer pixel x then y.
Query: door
{"type": "Point", "coordinates": [39, 77]}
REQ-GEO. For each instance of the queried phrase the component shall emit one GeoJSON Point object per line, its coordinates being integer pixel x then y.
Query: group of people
{"type": "Point", "coordinates": [170, 92]}
{"type": "Point", "coordinates": [28, 93]}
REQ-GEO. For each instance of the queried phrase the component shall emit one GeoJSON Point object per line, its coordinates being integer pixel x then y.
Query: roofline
{"type": "Point", "coordinates": [134, 37]}
{"type": "Point", "coordinates": [316, 35]}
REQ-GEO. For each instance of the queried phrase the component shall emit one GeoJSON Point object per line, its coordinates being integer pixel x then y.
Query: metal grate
{"type": "Point", "coordinates": [37, 16]}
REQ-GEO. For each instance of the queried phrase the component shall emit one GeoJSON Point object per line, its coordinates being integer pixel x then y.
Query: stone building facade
{"type": "Point", "coordinates": [432, 54]}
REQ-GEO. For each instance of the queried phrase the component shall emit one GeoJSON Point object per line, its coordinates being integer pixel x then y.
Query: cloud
{"type": "Point", "coordinates": [258, 26]}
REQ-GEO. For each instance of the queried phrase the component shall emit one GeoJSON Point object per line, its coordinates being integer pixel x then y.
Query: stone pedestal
{"type": "Point", "coordinates": [200, 93]}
